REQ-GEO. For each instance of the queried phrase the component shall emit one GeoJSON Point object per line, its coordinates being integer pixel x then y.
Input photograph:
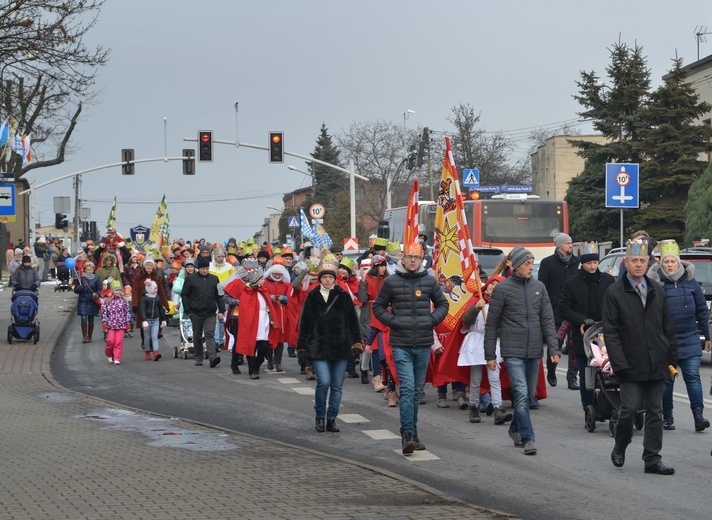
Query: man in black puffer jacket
{"type": "Point", "coordinates": [410, 293]}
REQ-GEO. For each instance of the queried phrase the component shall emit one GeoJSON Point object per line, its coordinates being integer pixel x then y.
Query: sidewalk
{"type": "Point", "coordinates": [64, 458]}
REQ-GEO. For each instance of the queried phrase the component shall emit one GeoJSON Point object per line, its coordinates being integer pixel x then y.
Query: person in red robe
{"type": "Point", "coordinates": [280, 289]}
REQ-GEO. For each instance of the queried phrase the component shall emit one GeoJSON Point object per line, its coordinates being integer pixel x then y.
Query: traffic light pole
{"type": "Point", "coordinates": [31, 191]}
{"type": "Point", "coordinates": [351, 171]}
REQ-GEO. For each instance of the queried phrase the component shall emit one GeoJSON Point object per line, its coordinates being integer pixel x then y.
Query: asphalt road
{"type": "Point", "coordinates": [570, 478]}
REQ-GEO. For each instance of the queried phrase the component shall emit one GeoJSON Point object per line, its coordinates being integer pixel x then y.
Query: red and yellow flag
{"type": "Point", "coordinates": [453, 259]}
{"type": "Point", "coordinates": [410, 231]}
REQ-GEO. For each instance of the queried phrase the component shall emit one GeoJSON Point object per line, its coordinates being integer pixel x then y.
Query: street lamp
{"type": "Point", "coordinates": [295, 169]}
{"type": "Point", "coordinates": [389, 179]}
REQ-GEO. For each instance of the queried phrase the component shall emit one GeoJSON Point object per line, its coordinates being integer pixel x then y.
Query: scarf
{"type": "Point", "coordinates": [566, 259]}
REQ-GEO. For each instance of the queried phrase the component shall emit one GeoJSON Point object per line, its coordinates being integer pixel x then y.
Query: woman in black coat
{"type": "Point", "coordinates": [88, 286]}
{"type": "Point", "coordinates": [329, 332]}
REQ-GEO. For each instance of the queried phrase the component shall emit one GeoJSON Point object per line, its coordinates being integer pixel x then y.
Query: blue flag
{"type": "Point", "coordinates": [306, 228]}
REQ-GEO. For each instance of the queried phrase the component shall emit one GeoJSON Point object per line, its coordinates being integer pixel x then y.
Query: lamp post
{"type": "Point", "coordinates": [295, 169]}
{"type": "Point", "coordinates": [389, 179]}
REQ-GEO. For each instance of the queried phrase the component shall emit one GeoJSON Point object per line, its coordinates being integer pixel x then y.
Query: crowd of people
{"type": "Point", "coordinates": [383, 313]}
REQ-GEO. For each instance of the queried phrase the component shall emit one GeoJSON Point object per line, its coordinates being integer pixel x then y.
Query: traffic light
{"type": "Point", "coordinates": [188, 161]}
{"type": "Point", "coordinates": [411, 157]}
{"type": "Point", "coordinates": [475, 195]}
{"type": "Point", "coordinates": [60, 221]}
{"type": "Point", "coordinates": [205, 146]}
{"type": "Point", "coordinates": [127, 157]}
{"type": "Point", "coordinates": [276, 147]}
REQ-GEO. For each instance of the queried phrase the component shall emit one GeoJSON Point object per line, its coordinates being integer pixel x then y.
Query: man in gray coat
{"type": "Point", "coordinates": [410, 294]}
{"type": "Point", "coordinates": [520, 314]}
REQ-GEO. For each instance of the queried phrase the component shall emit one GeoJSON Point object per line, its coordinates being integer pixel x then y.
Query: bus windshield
{"type": "Point", "coordinates": [521, 222]}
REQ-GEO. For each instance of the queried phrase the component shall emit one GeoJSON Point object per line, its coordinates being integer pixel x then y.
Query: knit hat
{"type": "Point", "coordinates": [151, 287]}
{"type": "Point", "coordinates": [378, 260]}
{"type": "Point", "coordinates": [203, 262]}
{"type": "Point", "coordinates": [561, 238]}
{"type": "Point", "coordinates": [589, 252]}
{"type": "Point", "coordinates": [263, 254]}
{"type": "Point", "coordinates": [669, 248]}
{"type": "Point", "coordinates": [203, 248]}
{"type": "Point", "coordinates": [519, 255]}
{"type": "Point", "coordinates": [18, 251]}
{"type": "Point", "coordinates": [26, 259]}
{"type": "Point", "coordinates": [327, 268]}
{"type": "Point", "coordinates": [149, 260]}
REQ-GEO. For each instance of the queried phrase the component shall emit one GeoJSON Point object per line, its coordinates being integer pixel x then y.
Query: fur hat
{"type": "Point", "coordinates": [203, 262]}
{"type": "Point", "coordinates": [327, 268]}
{"type": "Point", "coordinates": [519, 255]}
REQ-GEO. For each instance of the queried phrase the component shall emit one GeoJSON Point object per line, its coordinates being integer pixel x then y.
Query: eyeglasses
{"type": "Point", "coordinates": [413, 258]}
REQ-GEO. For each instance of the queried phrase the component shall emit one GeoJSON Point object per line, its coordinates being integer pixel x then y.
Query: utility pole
{"type": "Point", "coordinates": [77, 211]}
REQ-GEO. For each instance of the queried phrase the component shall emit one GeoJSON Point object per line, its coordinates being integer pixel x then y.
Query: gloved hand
{"type": "Point", "coordinates": [144, 324]}
{"type": "Point", "coordinates": [588, 322]}
{"type": "Point", "coordinates": [33, 287]}
{"type": "Point", "coordinates": [163, 324]}
{"type": "Point", "coordinates": [356, 349]}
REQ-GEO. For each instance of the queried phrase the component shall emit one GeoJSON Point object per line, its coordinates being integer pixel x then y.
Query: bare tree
{"type": "Point", "coordinates": [474, 147]}
{"type": "Point", "coordinates": [46, 74]}
{"type": "Point", "coordinates": [378, 150]}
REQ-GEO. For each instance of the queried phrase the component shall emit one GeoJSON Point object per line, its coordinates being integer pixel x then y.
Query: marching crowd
{"type": "Point", "coordinates": [383, 313]}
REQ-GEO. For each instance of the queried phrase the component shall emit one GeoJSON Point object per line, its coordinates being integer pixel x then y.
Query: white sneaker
{"type": "Point", "coordinates": [111, 360]}
{"type": "Point", "coordinates": [117, 362]}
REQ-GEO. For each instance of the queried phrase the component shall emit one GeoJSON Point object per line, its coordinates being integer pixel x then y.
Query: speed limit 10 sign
{"type": "Point", "coordinates": [317, 211]}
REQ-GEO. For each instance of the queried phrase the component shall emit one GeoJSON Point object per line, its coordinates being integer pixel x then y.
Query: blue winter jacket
{"type": "Point", "coordinates": [688, 309]}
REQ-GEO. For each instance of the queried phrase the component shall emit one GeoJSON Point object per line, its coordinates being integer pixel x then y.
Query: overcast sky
{"type": "Point", "coordinates": [295, 65]}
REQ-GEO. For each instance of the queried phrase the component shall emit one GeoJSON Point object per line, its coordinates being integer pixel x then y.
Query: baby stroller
{"type": "Point", "coordinates": [62, 277]}
{"type": "Point", "coordinates": [186, 348]}
{"type": "Point", "coordinates": [605, 386]}
{"type": "Point", "coordinates": [24, 309]}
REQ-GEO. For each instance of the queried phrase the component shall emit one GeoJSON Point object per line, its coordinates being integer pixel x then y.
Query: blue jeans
{"type": "Point", "coordinates": [411, 366]}
{"type": "Point", "coordinates": [219, 332]}
{"type": "Point", "coordinates": [523, 374]}
{"type": "Point", "coordinates": [151, 335]}
{"type": "Point", "coordinates": [329, 375]}
{"type": "Point", "coordinates": [690, 368]}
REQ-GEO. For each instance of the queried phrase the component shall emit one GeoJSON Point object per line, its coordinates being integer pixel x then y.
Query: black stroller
{"type": "Point", "coordinates": [62, 277]}
{"type": "Point", "coordinates": [606, 389]}
{"type": "Point", "coordinates": [25, 324]}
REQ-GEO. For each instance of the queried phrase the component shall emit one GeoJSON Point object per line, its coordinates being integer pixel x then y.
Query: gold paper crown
{"type": "Point", "coordinates": [115, 284]}
{"type": "Point", "coordinates": [348, 263]}
{"type": "Point", "coordinates": [380, 242]}
{"type": "Point", "coordinates": [416, 248]}
{"type": "Point", "coordinates": [393, 247]}
{"type": "Point", "coordinates": [669, 247]}
{"type": "Point", "coordinates": [589, 248]}
{"type": "Point", "coordinates": [636, 248]}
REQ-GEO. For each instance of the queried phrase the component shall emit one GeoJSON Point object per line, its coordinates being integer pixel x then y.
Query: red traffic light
{"type": "Point", "coordinates": [276, 147]}
{"type": "Point", "coordinates": [205, 137]}
{"type": "Point", "coordinates": [205, 146]}
{"type": "Point", "coordinates": [475, 195]}
{"type": "Point", "coordinates": [276, 138]}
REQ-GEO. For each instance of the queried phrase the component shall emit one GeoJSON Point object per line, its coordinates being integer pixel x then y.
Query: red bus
{"type": "Point", "coordinates": [501, 223]}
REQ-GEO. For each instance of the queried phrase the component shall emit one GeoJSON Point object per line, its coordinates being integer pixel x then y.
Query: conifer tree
{"type": "Point", "coordinates": [698, 217]}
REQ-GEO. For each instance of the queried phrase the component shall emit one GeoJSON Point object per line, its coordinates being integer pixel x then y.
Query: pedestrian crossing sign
{"type": "Point", "coordinates": [471, 178]}
{"type": "Point", "coordinates": [294, 222]}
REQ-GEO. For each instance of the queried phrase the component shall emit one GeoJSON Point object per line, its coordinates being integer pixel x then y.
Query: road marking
{"type": "Point", "coordinates": [289, 380]}
{"type": "Point", "coordinates": [304, 391]}
{"type": "Point", "coordinates": [380, 435]}
{"type": "Point", "coordinates": [418, 456]}
{"type": "Point", "coordinates": [352, 418]}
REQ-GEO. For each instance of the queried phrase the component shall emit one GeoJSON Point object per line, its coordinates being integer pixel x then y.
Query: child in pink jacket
{"type": "Point", "coordinates": [116, 316]}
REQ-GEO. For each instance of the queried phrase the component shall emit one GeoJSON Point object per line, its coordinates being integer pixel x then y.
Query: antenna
{"type": "Point", "coordinates": [700, 32]}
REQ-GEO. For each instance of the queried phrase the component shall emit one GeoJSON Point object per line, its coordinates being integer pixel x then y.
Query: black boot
{"type": "Point", "coordinates": [331, 426]}
{"type": "Point", "coordinates": [364, 377]}
{"type": "Point", "coordinates": [320, 427]}
{"type": "Point", "coordinates": [700, 422]}
{"type": "Point", "coordinates": [668, 421]}
{"type": "Point", "coordinates": [408, 443]}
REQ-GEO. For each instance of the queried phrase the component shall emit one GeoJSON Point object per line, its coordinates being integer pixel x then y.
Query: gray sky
{"type": "Point", "coordinates": [293, 65]}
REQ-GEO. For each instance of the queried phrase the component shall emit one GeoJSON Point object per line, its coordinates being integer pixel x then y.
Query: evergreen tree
{"type": "Point", "coordinates": [614, 111]}
{"type": "Point", "coordinates": [337, 222]}
{"type": "Point", "coordinates": [670, 142]}
{"type": "Point", "coordinates": [327, 181]}
{"type": "Point", "coordinates": [697, 211]}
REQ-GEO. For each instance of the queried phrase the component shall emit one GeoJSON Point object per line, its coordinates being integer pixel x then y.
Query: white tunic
{"type": "Point", "coordinates": [472, 350]}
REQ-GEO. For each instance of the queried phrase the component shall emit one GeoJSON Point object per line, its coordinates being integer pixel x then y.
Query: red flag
{"type": "Point", "coordinates": [410, 231]}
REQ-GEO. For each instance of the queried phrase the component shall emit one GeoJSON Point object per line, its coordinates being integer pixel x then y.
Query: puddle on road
{"type": "Point", "coordinates": [57, 397]}
{"type": "Point", "coordinates": [162, 433]}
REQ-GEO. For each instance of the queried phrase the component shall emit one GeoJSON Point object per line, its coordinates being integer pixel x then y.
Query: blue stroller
{"type": "Point", "coordinates": [24, 316]}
